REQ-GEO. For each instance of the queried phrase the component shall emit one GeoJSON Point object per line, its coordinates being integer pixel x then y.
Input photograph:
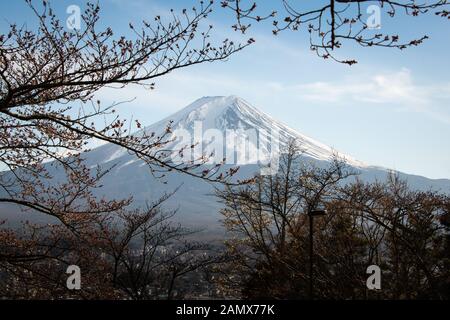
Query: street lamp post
{"type": "Point", "coordinates": [311, 215]}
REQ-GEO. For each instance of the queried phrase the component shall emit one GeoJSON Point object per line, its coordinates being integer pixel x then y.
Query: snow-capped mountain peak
{"type": "Point", "coordinates": [232, 113]}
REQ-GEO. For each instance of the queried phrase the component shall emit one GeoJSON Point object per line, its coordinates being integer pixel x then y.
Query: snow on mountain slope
{"type": "Point", "coordinates": [231, 113]}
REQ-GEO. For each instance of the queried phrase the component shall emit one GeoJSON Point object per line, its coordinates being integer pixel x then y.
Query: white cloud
{"type": "Point", "coordinates": [394, 88]}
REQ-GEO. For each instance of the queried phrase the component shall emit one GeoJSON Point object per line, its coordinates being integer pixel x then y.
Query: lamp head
{"type": "Point", "coordinates": [317, 212]}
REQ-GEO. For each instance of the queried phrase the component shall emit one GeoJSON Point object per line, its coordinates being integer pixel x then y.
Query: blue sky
{"type": "Point", "coordinates": [391, 109]}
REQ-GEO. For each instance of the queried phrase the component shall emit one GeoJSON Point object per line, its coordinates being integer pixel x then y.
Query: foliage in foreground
{"type": "Point", "coordinates": [404, 232]}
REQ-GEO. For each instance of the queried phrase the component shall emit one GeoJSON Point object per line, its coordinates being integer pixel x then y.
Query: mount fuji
{"type": "Point", "coordinates": [195, 200]}
{"type": "Point", "coordinates": [210, 118]}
